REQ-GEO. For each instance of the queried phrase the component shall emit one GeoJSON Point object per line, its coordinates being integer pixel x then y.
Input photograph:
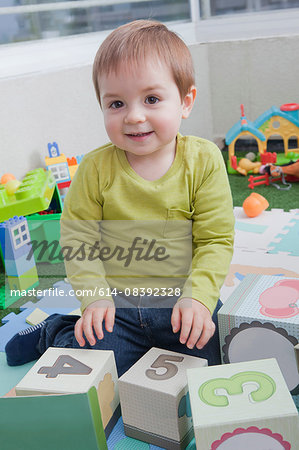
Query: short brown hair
{"type": "Point", "coordinates": [131, 43]}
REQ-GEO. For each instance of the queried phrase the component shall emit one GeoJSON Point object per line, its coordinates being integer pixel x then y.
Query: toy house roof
{"type": "Point", "coordinates": [274, 111]}
{"type": "Point", "coordinates": [243, 125]}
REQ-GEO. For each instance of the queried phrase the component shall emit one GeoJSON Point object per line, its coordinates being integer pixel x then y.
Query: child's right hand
{"type": "Point", "coordinates": [92, 319]}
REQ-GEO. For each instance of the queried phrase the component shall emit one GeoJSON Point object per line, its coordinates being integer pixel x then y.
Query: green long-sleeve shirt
{"type": "Point", "coordinates": [128, 232]}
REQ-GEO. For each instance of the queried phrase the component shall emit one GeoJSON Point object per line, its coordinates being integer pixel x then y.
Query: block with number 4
{"type": "Point", "coordinates": [154, 398]}
{"type": "Point", "coordinates": [71, 371]}
{"type": "Point", "coordinates": [242, 406]}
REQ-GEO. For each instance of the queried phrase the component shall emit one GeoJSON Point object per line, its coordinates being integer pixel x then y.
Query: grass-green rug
{"type": "Point", "coordinates": [277, 198]}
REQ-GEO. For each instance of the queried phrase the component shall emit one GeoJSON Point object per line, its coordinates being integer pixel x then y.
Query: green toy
{"type": "Point", "coordinates": [33, 195]}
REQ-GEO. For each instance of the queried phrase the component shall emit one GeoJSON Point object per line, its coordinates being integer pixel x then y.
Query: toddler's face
{"type": "Point", "coordinates": [142, 108]}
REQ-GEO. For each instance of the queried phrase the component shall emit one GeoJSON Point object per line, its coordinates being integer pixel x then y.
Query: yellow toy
{"type": "Point", "coordinates": [245, 165]}
{"type": "Point", "coordinates": [283, 122]}
{"type": "Point", "coordinates": [12, 186]}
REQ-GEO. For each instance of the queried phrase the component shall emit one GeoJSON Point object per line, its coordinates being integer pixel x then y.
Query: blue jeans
{"type": "Point", "coordinates": [137, 329]}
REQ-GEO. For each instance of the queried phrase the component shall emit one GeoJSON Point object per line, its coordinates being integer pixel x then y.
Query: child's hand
{"type": "Point", "coordinates": [195, 321]}
{"type": "Point", "coordinates": [93, 318]}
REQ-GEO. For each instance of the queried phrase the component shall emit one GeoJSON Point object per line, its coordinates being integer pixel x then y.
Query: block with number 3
{"type": "Point", "coordinates": [242, 406]}
{"type": "Point", "coordinates": [154, 398]}
{"type": "Point", "coordinates": [70, 371]}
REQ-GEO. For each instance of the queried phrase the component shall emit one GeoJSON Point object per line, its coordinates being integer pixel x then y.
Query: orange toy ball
{"type": "Point", "coordinates": [255, 204]}
{"type": "Point", "coordinates": [7, 177]}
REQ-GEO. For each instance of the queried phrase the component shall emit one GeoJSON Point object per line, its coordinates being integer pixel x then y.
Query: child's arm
{"type": "Point", "coordinates": [80, 238]}
{"type": "Point", "coordinates": [195, 322]}
{"type": "Point", "coordinates": [212, 237]}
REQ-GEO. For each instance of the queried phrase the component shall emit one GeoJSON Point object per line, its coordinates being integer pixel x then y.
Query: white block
{"type": "Point", "coordinates": [261, 320]}
{"type": "Point", "coordinates": [242, 406]}
{"type": "Point", "coordinates": [70, 371]}
{"type": "Point", "coordinates": [154, 398]}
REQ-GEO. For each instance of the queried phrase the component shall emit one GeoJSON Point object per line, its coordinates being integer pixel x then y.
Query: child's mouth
{"type": "Point", "coordinates": [139, 136]}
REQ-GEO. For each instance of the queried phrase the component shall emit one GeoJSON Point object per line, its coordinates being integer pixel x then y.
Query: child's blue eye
{"type": "Point", "coordinates": [151, 100]}
{"type": "Point", "coordinates": [117, 104]}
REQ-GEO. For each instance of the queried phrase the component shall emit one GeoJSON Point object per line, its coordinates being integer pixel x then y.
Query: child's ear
{"type": "Point", "coordinates": [188, 102]}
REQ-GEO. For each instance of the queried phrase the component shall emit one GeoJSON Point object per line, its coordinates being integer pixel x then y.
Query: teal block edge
{"type": "Point", "coordinates": [296, 401]}
{"type": "Point", "coordinates": [10, 376]}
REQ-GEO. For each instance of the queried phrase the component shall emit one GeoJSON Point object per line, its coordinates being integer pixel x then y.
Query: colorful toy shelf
{"type": "Point", "coordinates": [38, 198]}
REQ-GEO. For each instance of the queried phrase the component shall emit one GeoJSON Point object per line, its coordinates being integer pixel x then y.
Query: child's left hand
{"type": "Point", "coordinates": [195, 321]}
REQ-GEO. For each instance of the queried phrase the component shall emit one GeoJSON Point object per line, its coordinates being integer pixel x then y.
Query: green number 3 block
{"type": "Point", "coordinates": [234, 386]}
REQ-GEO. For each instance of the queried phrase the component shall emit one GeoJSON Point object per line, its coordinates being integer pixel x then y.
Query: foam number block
{"type": "Point", "coordinates": [69, 371]}
{"type": "Point", "coordinates": [154, 398]}
{"type": "Point", "coordinates": [52, 422]}
{"type": "Point", "coordinates": [242, 406]}
{"type": "Point", "coordinates": [261, 320]}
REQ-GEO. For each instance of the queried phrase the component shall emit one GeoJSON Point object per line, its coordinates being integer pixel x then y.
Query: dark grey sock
{"type": "Point", "coordinates": [23, 346]}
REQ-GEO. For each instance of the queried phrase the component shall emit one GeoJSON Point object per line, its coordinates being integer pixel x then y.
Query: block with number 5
{"type": "Point", "coordinates": [243, 406]}
{"type": "Point", "coordinates": [71, 371]}
{"type": "Point", "coordinates": [154, 398]}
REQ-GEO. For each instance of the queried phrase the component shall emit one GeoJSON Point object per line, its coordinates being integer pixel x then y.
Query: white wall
{"type": "Point", "coordinates": [257, 72]}
{"type": "Point", "coordinates": [60, 105]}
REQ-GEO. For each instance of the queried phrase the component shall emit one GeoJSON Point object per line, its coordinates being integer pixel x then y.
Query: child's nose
{"type": "Point", "coordinates": [135, 115]}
